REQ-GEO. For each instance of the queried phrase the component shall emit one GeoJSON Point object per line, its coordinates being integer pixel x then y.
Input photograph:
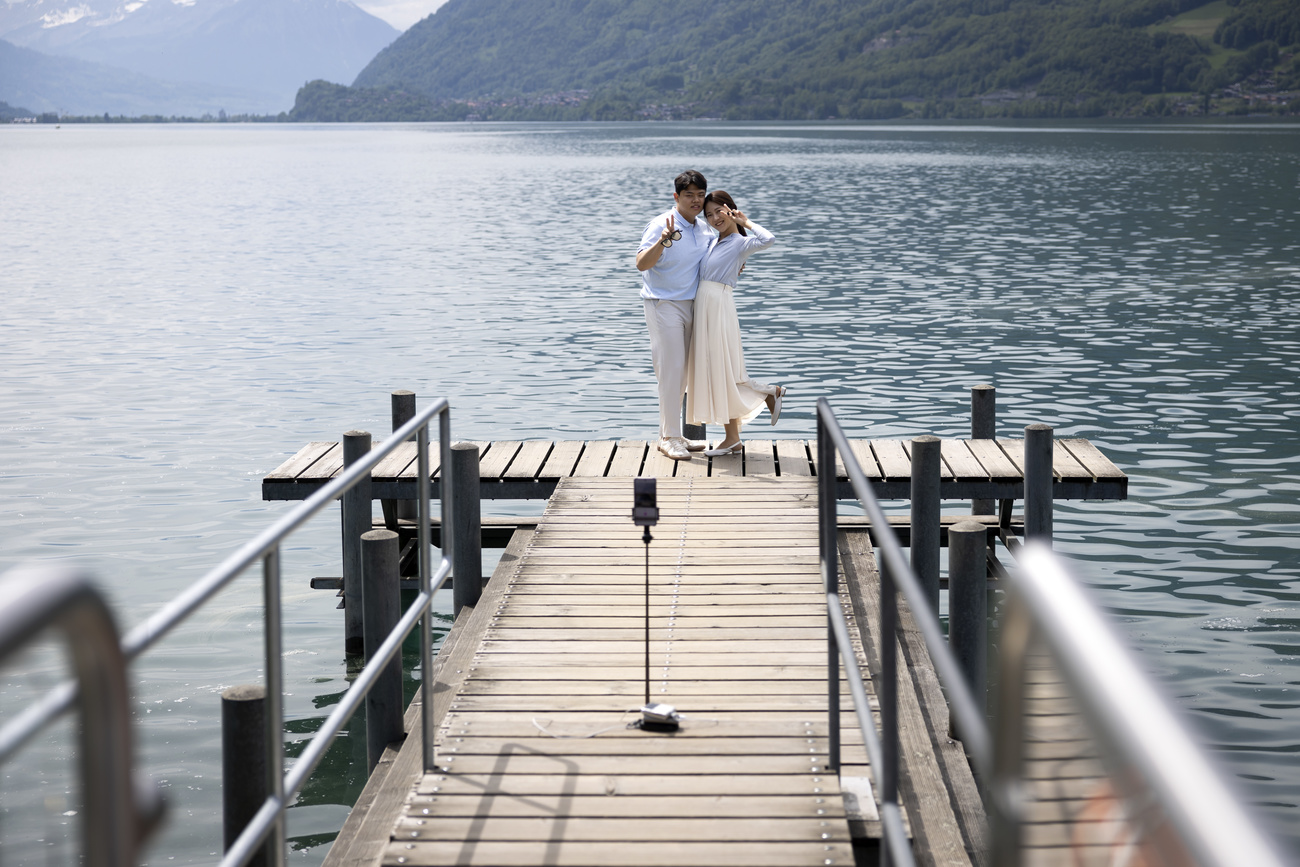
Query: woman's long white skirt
{"type": "Point", "coordinates": [717, 387]}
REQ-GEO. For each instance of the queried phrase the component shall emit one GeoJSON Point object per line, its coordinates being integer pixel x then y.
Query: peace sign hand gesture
{"type": "Point", "coordinates": [670, 233]}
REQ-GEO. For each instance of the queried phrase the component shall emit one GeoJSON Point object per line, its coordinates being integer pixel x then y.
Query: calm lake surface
{"type": "Point", "coordinates": [185, 306]}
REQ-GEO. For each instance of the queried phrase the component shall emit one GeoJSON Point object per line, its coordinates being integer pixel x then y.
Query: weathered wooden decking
{"type": "Point", "coordinates": [537, 764]}
{"type": "Point", "coordinates": [971, 469]}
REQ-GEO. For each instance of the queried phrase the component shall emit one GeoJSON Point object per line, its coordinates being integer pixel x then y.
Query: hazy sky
{"type": "Point", "coordinates": [400, 13]}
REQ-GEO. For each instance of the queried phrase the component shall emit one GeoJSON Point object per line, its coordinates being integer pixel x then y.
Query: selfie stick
{"type": "Point", "coordinates": [645, 513]}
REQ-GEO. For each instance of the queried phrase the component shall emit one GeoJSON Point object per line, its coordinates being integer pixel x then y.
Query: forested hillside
{"type": "Point", "coordinates": [837, 58]}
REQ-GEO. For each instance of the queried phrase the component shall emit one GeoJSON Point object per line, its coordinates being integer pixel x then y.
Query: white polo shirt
{"type": "Point", "coordinates": [676, 275]}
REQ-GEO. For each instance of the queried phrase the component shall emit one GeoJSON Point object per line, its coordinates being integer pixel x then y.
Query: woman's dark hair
{"type": "Point", "coordinates": [723, 197]}
{"type": "Point", "coordinates": [688, 177]}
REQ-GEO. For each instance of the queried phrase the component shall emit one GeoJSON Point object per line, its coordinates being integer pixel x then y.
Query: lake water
{"type": "Point", "coordinates": [185, 306]}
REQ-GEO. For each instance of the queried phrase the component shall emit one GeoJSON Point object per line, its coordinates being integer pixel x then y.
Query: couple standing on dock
{"type": "Point", "coordinates": [688, 274]}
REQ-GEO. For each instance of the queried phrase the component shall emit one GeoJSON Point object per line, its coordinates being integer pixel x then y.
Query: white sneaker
{"type": "Point", "coordinates": [675, 448]}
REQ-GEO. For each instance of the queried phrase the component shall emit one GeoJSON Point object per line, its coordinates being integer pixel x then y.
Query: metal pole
{"type": "Point", "coordinates": [925, 516]}
{"type": "Point", "coordinates": [888, 694]}
{"type": "Point", "coordinates": [983, 426]}
{"type": "Point", "coordinates": [275, 841]}
{"type": "Point", "coordinates": [382, 604]}
{"type": "Point", "coordinates": [425, 553]}
{"type": "Point", "coordinates": [968, 609]}
{"type": "Point", "coordinates": [826, 524]}
{"type": "Point", "coordinates": [467, 527]}
{"type": "Point", "coordinates": [1007, 798]}
{"type": "Point", "coordinates": [1038, 482]}
{"type": "Point", "coordinates": [243, 762]}
{"type": "Point", "coordinates": [357, 517]}
{"type": "Point", "coordinates": [403, 410]}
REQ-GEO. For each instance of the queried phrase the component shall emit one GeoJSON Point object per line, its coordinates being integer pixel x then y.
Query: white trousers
{"type": "Point", "coordinates": [670, 324]}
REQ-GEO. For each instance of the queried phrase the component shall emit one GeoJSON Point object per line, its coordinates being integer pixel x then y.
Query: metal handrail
{"type": "Point", "coordinates": [1129, 716]}
{"type": "Point", "coordinates": [883, 751]}
{"type": "Point", "coordinates": [119, 810]}
{"type": "Point", "coordinates": [1133, 721]}
{"type": "Point", "coordinates": [266, 547]}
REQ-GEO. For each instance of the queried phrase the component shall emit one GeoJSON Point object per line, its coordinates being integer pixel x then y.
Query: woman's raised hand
{"type": "Point", "coordinates": [739, 217]}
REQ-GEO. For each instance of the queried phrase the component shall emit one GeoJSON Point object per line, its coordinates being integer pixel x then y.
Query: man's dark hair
{"type": "Point", "coordinates": [687, 178]}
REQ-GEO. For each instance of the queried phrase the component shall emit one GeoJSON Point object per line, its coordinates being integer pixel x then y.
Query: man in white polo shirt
{"type": "Point", "coordinates": [672, 246]}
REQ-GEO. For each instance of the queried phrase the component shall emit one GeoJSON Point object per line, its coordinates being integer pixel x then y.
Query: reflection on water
{"type": "Point", "coordinates": [187, 305]}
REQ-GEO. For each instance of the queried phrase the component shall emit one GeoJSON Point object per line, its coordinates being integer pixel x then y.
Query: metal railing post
{"type": "Point", "coordinates": [925, 516]}
{"type": "Point", "coordinates": [826, 513]}
{"type": "Point", "coordinates": [425, 554]}
{"type": "Point", "coordinates": [1006, 786]}
{"type": "Point", "coordinates": [275, 842]}
{"type": "Point", "coordinates": [888, 694]}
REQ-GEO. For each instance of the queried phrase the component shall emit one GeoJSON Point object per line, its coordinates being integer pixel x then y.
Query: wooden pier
{"type": "Point", "coordinates": [513, 470]}
{"type": "Point", "coordinates": [538, 681]}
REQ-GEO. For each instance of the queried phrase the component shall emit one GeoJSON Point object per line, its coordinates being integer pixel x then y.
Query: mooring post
{"type": "Point", "coordinates": [357, 516]}
{"type": "Point", "coordinates": [243, 763]}
{"type": "Point", "coordinates": [403, 411]}
{"type": "Point", "coordinates": [383, 605]}
{"type": "Point", "coordinates": [983, 426]}
{"type": "Point", "coordinates": [1038, 482]}
{"type": "Point", "coordinates": [467, 534]}
{"type": "Point", "coordinates": [925, 516]}
{"type": "Point", "coordinates": [692, 431]}
{"type": "Point", "coordinates": [968, 607]}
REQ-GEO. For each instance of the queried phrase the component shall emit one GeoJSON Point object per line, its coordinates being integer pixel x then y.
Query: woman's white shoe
{"type": "Point", "coordinates": [775, 406]}
{"type": "Point", "coordinates": [725, 450]}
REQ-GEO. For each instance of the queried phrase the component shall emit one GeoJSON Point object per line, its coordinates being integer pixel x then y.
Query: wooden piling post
{"type": "Point", "coordinates": [357, 517]}
{"type": "Point", "coordinates": [244, 782]}
{"type": "Point", "coordinates": [403, 411]}
{"type": "Point", "coordinates": [925, 516]}
{"type": "Point", "coordinates": [1038, 482]}
{"type": "Point", "coordinates": [968, 607]}
{"type": "Point", "coordinates": [983, 426]}
{"type": "Point", "coordinates": [467, 538]}
{"type": "Point", "coordinates": [383, 605]}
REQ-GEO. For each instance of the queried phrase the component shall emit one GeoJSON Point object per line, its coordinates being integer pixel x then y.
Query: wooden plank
{"type": "Point", "coordinates": [696, 467]}
{"type": "Point", "coordinates": [866, 459]}
{"type": "Point", "coordinates": [562, 460]}
{"type": "Point", "coordinates": [840, 472]}
{"type": "Point", "coordinates": [1015, 452]}
{"type": "Point", "coordinates": [642, 828]}
{"type": "Point", "coordinates": [399, 459]}
{"type": "Point", "coordinates": [628, 457]}
{"type": "Point", "coordinates": [496, 460]}
{"type": "Point", "coordinates": [730, 465]}
{"type": "Point", "coordinates": [760, 458]}
{"type": "Point", "coordinates": [892, 458]}
{"type": "Point", "coordinates": [603, 806]}
{"type": "Point", "coordinates": [997, 465]}
{"type": "Point", "coordinates": [603, 854]}
{"type": "Point", "coordinates": [792, 458]}
{"type": "Point", "coordinates": [629, 786]}
{"type": "Point", "coordinates": [964, 465]}
{"type": "Point", "coordinates": [595, 458]}
{"type": "Point", "coordinates": [658, 465]}
{"type": "Point", "coordinates": [528, 460]}
{"type": "Point", "coordinates": [1092, 459]}
{"type": "Point", "coordinates": [1065, 466]}
{"type": "Point", "coordinates": [305, 458]}
{"type": "Point", "coordinates": [324, 469]}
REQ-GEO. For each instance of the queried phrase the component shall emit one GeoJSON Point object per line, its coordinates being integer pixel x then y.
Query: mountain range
{"type": "Point", "coordinates": [167, 57]}
{"type": "Point", "coordinates": [777, 59]}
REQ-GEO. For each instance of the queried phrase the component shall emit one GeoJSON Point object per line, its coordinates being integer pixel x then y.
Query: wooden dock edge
{"type": "Point", "coordinates": [365, 834]}
{"type": "Point", "coordinates": [946, 815]}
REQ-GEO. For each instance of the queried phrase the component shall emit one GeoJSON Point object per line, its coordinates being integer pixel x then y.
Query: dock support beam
{"type": "Point", "coordinates": [383, 606]}
{"type": "Point", "coordinates": [357, 520]}
{"type": "Point", "coordinates": [692, 431]}
{"type": "Point", "coordinates": [983, 426]}
{"type": "Point", "coordinates": [968, 608]}
{"type": "Point", "coordinates": [467, 529]}
{"type": "Point", "coordinates": [1038, 482]}
{"type": "Point", "coordinates": [243, 764]}
{"type": "Point", "coordinates": [925, 516]}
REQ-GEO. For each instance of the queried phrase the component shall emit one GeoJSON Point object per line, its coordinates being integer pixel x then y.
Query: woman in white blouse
{"type": "Point", "coordinates": [718, 389]}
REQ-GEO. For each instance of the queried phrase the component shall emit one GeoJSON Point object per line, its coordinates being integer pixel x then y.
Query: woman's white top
{"type": "Point", "coordinates": [723, 261]}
